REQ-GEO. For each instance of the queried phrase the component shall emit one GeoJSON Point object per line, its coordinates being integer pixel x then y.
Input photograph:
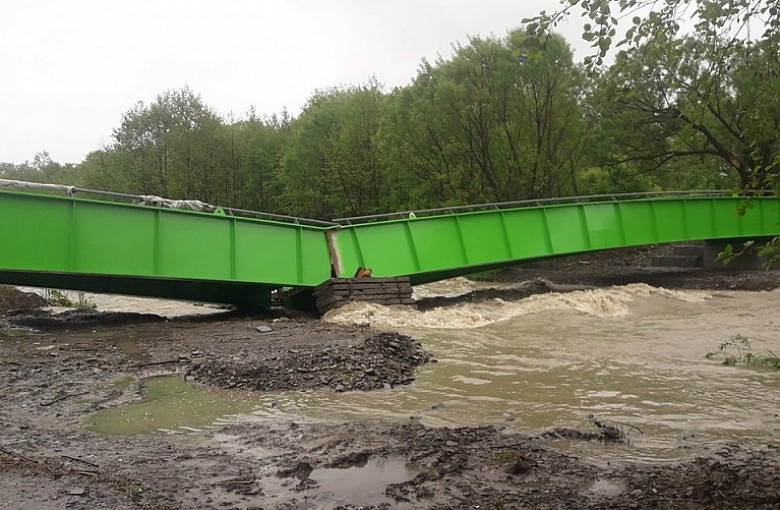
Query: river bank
{"type": "Point", "coordinates": [58, 373]}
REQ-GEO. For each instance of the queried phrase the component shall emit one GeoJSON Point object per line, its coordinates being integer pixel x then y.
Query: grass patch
{"type": "Point", "coordinates": [123, 383]}
{"type": "Point", "coordinates": [739, 351]}
{"type": "Point", "coordinates": [59, 298]}
{"type": "Point", "coordinates": [484, 276]}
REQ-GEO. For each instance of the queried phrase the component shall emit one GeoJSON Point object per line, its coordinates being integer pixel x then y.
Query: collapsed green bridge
{"type": "Point", "coordinates": [69, 238]}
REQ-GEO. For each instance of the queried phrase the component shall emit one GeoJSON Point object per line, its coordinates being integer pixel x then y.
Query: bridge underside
{"type": "Point", "coordinates": [235, 293]}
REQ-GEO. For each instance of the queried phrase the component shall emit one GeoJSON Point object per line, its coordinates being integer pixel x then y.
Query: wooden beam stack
{"type": "Point", "coordinates": [337, 292]}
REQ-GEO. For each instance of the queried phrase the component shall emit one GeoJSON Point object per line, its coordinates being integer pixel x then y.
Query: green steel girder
{"type": "Point", "coordinates": [65, 242]}
{"type": "Point", "coordinates": [432, 248]}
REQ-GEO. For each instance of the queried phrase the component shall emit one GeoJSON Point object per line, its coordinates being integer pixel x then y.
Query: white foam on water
{"type": "Point", "coordinates": [452, 288]}
{"type": "Point", "coordinates": [609, 302]}
{"type": "Point", "coordinates": [470, 380]}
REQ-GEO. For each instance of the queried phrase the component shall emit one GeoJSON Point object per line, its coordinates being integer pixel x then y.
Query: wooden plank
{"type": "Point", "coordinates": [361, 281]}
{"type": "Point", "coordinates": [347, 286]}
{"type": "Point", "coordinates": [343, 286]}
{"type": "Point", "coordinates": [386, 291]}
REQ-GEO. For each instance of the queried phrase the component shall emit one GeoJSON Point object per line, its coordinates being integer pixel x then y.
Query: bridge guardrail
{"type": "Point", "coordinates": [154, 201]}
{"type": "Point", "coordinates": [538, 202]}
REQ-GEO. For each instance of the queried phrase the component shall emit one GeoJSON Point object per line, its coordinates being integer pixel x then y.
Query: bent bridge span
{"type": "Point", "coordinates": [102, 242]}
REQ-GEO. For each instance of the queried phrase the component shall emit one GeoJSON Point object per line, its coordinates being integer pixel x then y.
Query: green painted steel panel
{"type": "Point", "coordinates": [314, 259]}
{"type": "Point", "coordinates": [485, 238]}
{"type": "Point", "coordinates": [566, 232]}
{"type": "Point", "coordinates": [346, 250]}
{"type": "Point", "coordinates": [111, 240]}
{"type": "Point", "coordinates": [638, 223]}
{"type": "Point", "coordinates": [190, 247]}
{"type": "Point", "coordinates": [41, 246]}
{"type": "Point", "coordinates": [137, 249]}
{"type": "Point", "coordinates": [372, 243]}
{"type": "Point", "coordinates": [528, 233]}
{"type": "Point", "coordinates": [269, 250]}
{"type": "Point", "coordinates": [438, 242]}
{"type": "Point", "coordinates": [451, 245]}
{"type": "Point", "coordinates": [603, 223]}
{"type": "Point", "coordinates": [753, 221]}
{"type": "Point", "coordinates": [699, 217]}
{"type": "Point", "coordinates": [668, 215]}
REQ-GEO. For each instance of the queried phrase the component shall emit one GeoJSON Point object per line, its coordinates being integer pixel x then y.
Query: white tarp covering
{"type": "Point", "coordinates": [152, 200]}
{"type": "Point", "coordinates": [32, 186]}
{"type": "Point", "coordinates": [190, 205]}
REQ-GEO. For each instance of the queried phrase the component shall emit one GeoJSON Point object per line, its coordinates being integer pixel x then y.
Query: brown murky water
{"type": "Point", "coordinates": [632, 355]}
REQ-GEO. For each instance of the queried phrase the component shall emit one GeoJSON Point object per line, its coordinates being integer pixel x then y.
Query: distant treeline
{"type": "Point", "coordinates": [503, 119]}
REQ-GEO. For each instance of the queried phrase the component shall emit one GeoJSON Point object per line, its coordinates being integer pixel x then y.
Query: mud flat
{"type": "Point", "coordinates": [58, 375]}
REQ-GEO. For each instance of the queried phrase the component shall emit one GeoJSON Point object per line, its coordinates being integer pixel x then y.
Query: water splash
{"type": "Point", "coordinates": [453, 287]}
{"type": "Point", "coordinates": [609, 302]}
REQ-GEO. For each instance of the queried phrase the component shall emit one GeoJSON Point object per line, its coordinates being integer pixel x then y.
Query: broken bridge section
{"type": "Point", "coordinates": [433, 245]}
{"type": "Point", "coordinates": [69, 242]}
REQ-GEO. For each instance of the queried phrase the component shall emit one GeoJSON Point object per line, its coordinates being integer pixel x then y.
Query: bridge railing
{"type": "Point", "coordinates": [150, 200]}
{"type": "Point", "coordinates": [538, 202]}
{"type": "Point", "coordinates": [72, 191]}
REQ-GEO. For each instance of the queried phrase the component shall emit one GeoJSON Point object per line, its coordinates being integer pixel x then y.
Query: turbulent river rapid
{"type": "Point", "coordinates": [634, 356]}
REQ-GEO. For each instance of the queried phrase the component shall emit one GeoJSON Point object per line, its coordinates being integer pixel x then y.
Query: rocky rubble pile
{"type": "Point", "coordinates": [381, 361]}
{"type": "Point", "coordinates": [14, 300]}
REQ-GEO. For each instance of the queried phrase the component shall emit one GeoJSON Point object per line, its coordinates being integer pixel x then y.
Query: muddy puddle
{"type": "Point", "coordinates": [131, 348]}
{"type": "Point", "coordinates": [170, 405]}
{"type": "Point", "coordinates": [328, 487]}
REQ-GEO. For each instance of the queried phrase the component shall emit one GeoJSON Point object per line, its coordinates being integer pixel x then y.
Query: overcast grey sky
{"type": "Point", "coordinates": [69, 69]}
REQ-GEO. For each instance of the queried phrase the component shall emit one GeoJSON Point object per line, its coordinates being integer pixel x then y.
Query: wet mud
{"type": "Point", "coordinates": [57, 374]}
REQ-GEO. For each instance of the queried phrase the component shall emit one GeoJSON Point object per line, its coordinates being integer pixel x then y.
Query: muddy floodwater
{"type": "Point", "coordinates": [633, 355]}
{"type": "Point", "coordinates": [601, 398]}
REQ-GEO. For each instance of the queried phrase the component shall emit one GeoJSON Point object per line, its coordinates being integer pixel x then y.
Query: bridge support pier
{"type": "Point", "coordinates": [384, 291]}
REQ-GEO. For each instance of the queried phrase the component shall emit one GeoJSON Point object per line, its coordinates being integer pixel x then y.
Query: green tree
{"type": "Point", "coordinates": [331, 166]}
{"type": "Point", "coordinates": [700, 78]}
{"type": "Point", "coordinates": [498, 121]}
{"type": "Point", "coordinates": [254, 148]}
{"type": "Point", "coordinates": [166, 148]}
{"type": "Point", "coordinates": [672, 112]}
{"type": "Point", "coordinates": [41, 169]}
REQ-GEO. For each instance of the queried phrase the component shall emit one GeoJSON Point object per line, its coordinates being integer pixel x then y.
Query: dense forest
{"type": "Point", "coordinates": [503, 118]}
